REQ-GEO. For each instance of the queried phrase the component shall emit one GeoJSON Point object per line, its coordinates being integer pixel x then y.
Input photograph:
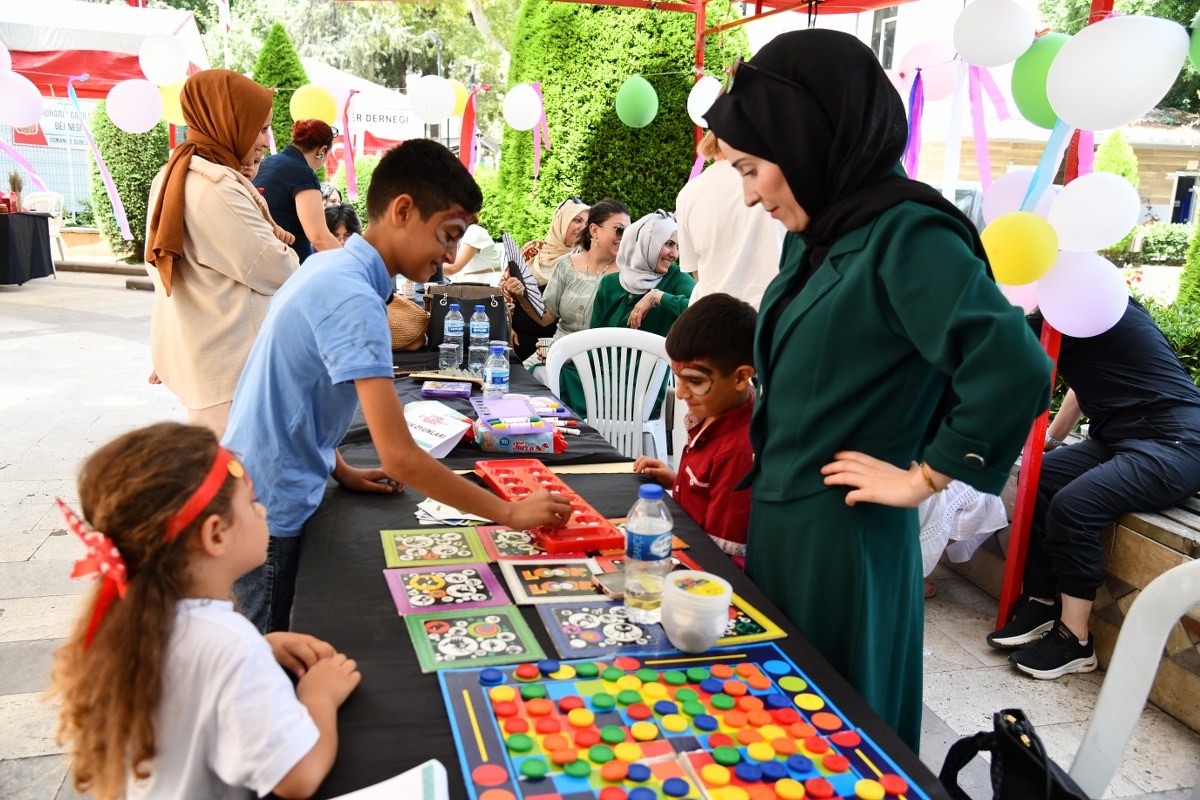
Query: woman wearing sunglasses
{"type": "Point", "coordinates": [288, 182]}
{"type": "Point", "coordinates": [573, 284]}
{"type": "Point", "coordinates": [890, 361]}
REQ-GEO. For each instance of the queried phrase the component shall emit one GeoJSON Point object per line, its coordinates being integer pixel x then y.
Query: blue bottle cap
{"type": "Point", "coordinates": [454, 306]}
{"type": "Point", "coordinates": [479, 308]}
{"type": "Point", "coordinates": [638, 773]}
{"type": "Point", "coordinates": [773, 771]}
{"type": "Point", "coordinates": [675, 787]}
{"type": "Point", "coordinates": [498, 350]}
{"type": "Point", "coordinates": [799, 764]}
{"type": "Point", "coordinates": [650, 491]}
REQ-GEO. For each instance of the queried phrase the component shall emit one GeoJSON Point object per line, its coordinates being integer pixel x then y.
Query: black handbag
{"type": "Point", "coordinates": [467, 295]}
{"type": "Point", "coordinates": [1021, 770]}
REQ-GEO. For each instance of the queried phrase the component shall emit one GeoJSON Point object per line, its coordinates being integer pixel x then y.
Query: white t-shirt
{"type": "Point", "coordinates": [229, 723]}
{"type": "Point", "coordinates": [732, 248]}
{"type": "Point", "coordinates": [485, 266]}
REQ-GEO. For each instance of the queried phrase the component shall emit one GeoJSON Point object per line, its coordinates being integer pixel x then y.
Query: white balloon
{"type": "Point", "coordinates": [432, 98]}
{"type": "Point", "coordinates": [1111, 73]}
{"type": "Point", "coordinates": [134, 105]}
{"type": "Point", "coordinates": [163, 59]}
{"type": "Point", "coordinates": [22, 105]}
{"type": "Point", "coordinates": [5, 58]}
{"type": "Point", "coordinates": [1082, 295]}
{"type": "Point", "coordinates": [522, 107]}
{"type": "Point", "coordinates": [1095, 211]}
{"type": "Point", "coordinates": [701, 98]}
{"type": "Point", "coordinates": [1008, 191]}
{"type": "Point", "coordinates": [990, 33]}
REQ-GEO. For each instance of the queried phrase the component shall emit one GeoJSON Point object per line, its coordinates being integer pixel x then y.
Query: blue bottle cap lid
{"type": "Point", "coordinates": [498, 350]}
{"type": "Point", "coordinates": [454, 306]}
{"type": "Point", "coordinates": [650, 491]}
{"type": "Point", "coordinates": [479, 308]}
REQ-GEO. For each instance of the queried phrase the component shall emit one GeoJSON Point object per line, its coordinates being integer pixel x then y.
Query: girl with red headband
{"type": "Point", "coordinates": [173, 522]}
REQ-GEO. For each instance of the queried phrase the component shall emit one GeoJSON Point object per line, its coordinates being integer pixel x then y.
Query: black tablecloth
{"type": "Point", "coordinates": [24, 247]}
{"type": "Point", "coordinates": [396, 718]}
{"type": "Point", "coordinates": [589, 447]}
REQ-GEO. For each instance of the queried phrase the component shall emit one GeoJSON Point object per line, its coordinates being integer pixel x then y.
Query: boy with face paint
{"type": "Point", "coordinates": [325, 348]}
{"type": "Point", "coordinates": [711, 351]}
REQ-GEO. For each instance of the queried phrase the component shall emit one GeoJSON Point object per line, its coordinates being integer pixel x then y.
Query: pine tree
{"type": "Point", "coordinates": [279, 68]}
{"type": "Point", "coordinates": [133, 160]}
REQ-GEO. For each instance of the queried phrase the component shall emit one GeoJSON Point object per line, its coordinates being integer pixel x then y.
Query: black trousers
{"type": "Point", "coordinates": [1088, 485]}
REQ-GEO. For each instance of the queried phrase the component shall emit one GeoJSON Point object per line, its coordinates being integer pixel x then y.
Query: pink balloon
{"type": "Point", "coordinates": [134, 105]}
{"type": "Point", "coordinates": [1008, 191]}
{"type": "Point", "coordinates": [1024, 297]}
{"type": "Point", "coordinates": [939, 68]}
{"type": "Point", "coordinates": [1082, 295]}
{"type": "Point", "coordinates": [22, 104]}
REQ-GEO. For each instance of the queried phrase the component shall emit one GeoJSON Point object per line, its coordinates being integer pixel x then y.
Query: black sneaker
{"type": "Point", "coordinates": [1056, 654]}
{"type": "Point", "coordinates": [1030, 621]}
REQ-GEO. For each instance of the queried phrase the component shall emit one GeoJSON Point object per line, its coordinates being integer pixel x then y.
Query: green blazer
{"type": "Point", "coordinates": [612, 304]}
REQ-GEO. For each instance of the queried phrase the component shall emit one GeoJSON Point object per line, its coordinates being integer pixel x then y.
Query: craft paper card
{"type": "Point", "coordinates": [599, 629]}
{"type": "Point", "coordinates": [472, 638]}
{"type": "Point", "coordinates": [418, 590]}
{"type": "Point", "coordinates": [747, 624]}
{"type": "Point", "coordinates": [617, 563]}
{"type": "Point", "coordinates": [544, 580]}
{"type": "Point", "coordinates": [432, 546]}
{"type": "Point", "coordinates": [435, 426]}
{"type": "Point", "coordinates": [500, 542]}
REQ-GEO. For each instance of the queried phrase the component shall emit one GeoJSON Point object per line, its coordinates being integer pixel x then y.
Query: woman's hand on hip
{"type": "Point", "coordinates": [875, 481]}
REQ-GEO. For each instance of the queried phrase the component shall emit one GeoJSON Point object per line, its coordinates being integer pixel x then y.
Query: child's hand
{"type": "Point", "coordinates": [652, 467]}
{"type": "Point", "coordinates": [365, 480]}
{"type": "Point", "coordinates": [284, 236]}
{"type": "Point", "coordinates": [540, 508]}
{"type": "Point", "coordinates": [298, 652]}
{"type": "Point", "coordinates": [332, 679]}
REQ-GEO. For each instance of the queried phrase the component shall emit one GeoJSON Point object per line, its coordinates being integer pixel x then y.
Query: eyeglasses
{"type": "Point", "coordinates": [739, 63]}
{"type": "Point", "coordinates": [576, 200]}
{"type": "Point", "coordinates": [619, 230]}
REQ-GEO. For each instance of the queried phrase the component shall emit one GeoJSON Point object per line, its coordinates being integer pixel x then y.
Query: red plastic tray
{"type": "Point", "coordinates": [587, 529]}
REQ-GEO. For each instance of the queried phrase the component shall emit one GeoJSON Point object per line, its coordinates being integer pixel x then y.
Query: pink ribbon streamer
{"type": "Point", "coordinates": [916, 108]}
{"type": "Point", "coordinates": [348, 150]}
{"type": "Point", "coordinates": [541, 131]}
{"type": "Point", "coordinates": [271, 137]}
{"type": "Point", "coordinates": [1087, 152]}
{"type": "Point", "coordinates": [23, 164]}
{"type": "Point", "coordinates": [697, 168]}
{"type": "Point", "coordinates": [979, 78]}
{"type": "Point", "coordinates": [105, 175]}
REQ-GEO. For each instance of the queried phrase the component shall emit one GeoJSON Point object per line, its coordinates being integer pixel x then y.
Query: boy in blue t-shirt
{"type": "Point", "coordinates": [325, 347]}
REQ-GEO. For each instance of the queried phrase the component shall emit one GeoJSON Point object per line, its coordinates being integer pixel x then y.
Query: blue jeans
{"type": "Point", "coordinates": [264, 594]}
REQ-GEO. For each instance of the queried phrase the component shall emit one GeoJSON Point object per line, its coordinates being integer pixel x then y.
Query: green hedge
{"type": "Point", "coordinates": [581, 55]}
{"type": "Point", "coordinates": [278, 67]}
{"type": "Point", "coordinates": [1189, 282]}
{"type": "Point", "coordinates": [1163, 244]}
{"type": "Point", "coordinates": [490, 215]}
{"type": "Point", "coordinates": [133, 160]}
{"type": "Point", "coordinates": [1180, 322]}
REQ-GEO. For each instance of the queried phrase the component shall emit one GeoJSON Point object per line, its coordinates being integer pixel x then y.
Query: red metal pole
{"type": "Point", "coordinates": [1031, 456]}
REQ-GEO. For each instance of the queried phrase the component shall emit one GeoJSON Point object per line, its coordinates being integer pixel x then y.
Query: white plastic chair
{"type": "Point", "coordinates": [50, 203]}
{"type": "Point", "coordinates": [679, 434]}
{"type": "Point", "coordinates": [1130, 673]}
{"type": "Point", "coordinates": [622, 371]}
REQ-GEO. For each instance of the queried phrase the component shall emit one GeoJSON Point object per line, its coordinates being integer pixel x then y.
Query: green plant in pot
{"type": "Point", "coordinates": [15, 184]}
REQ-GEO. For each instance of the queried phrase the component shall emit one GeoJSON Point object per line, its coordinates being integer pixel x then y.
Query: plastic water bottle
{"type": "Point", "coordinates": [495, 375]}
{"type": "Point", "coordinates": [452, 331]}
{"type": "Point", "coordinates": [648, 535]}
{"type": "Point", "coordinates": [481, 328]}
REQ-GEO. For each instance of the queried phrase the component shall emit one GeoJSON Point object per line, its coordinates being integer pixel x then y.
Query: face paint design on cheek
{"type": "Point", "coordinates": [692, 378]}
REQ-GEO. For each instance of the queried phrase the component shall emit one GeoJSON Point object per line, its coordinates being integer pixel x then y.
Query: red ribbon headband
{"type": "Point", "coordinates": [223, 465]}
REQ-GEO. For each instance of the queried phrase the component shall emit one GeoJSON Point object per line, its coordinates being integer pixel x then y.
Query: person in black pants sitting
{"type": "Point", "coordinates": [1142, 454]}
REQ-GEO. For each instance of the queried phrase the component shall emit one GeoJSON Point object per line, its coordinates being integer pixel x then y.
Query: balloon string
{"type": "Point", "coordinates": [1048, 165]}
{"type": "Point", "coordinates": [916, 108]}
{"type": "Point", "coordinates": [697, 168]}
{"type": "Point", "coordinates": [23, 164]}
{"type": "Point", "coordinates": [105, 174]}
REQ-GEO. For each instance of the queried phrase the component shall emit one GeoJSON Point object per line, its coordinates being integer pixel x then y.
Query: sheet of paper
{"type": "Point", "coordinates": [435, 426]}
{"type": "Point", "coordinates": [426, 782]}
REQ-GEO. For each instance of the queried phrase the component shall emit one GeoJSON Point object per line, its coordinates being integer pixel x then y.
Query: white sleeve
{"type": "Point", "coordinates": [263, 729]}
{"type": "Point", "coordinates": [478, 237]}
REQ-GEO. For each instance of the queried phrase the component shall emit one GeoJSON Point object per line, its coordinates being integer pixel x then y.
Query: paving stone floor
{"type": "Point", "coordinates": [74, 357]}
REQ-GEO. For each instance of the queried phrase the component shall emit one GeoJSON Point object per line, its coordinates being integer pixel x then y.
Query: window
{"type": "Point", "coordinates": [883, 35]}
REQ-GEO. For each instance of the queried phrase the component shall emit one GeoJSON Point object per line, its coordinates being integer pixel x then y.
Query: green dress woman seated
{"type": "Point", "coordinates": [648, 292]}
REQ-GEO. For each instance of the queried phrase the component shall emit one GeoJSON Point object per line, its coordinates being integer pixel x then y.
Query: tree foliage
{"type": "Point", "coordinates": [1116, 155]}
{"type": "Point", "coordinates": [1189, 281]}
{"type": "Point", "coordinates": [133, 160]}
{"type": "Point", "coordinates": [364, 167]}
{"type": "Point", "coordinates": [278, 67]}
{"type": "Point", "coordinates": [1071, 16]}
{"type": "Point", "coordinates": [581, 55]}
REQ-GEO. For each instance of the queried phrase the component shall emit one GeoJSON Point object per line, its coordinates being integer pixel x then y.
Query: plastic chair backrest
{"type": "Point", "coordinates": [1132, 669]}
{"type": "Point", "coordinates": [622, 371]}
{"type": "Point", "coordinates": [46, 203]}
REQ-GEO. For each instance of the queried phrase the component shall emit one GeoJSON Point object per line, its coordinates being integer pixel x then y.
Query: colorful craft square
{"type": "Point", "coordinates": [484, 637]}
{"type": "Point", "coordinates": [500, 542]}
{"type": "Point", "coordinates": [558, 580]}
{"type": "Point", "coordinates": [432, 547]}
{"type": "Point", "coordinates": [418, 590]}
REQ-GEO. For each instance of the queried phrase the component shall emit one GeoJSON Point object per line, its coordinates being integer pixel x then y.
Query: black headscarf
{"type": "Point", "coordinates": [818, 104]}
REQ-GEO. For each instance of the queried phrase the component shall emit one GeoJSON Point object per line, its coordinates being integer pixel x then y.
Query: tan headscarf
{"type": "Point", "coordinates": [224, 111]}
{"type": "Point", "coordinates": [556, 245]}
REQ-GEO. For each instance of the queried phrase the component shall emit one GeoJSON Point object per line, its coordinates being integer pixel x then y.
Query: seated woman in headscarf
{"type": "Point", "coordinates": [211, 246]}
{"type": "Point", "coordinates": [890, 361]}
{"type": "Point", "coordinates": [649, 291]}
{"type": "Point", "coordinates": [563, 238]}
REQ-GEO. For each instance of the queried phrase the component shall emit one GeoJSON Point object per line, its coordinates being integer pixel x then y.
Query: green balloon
{"type": "Point", "coordinates": [637, 102]}
{"type": "Point", "coordinates": [1194, 48]}
{"type": "Point", "coordinates": [1029, 79]}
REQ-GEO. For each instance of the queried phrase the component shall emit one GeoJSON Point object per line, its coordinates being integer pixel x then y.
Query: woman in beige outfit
{"type": "Point", "coordinates": [212, 247]}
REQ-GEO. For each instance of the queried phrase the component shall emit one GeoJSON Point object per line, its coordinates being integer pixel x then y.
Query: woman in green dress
{"type": "Point", "coordinates": [649, 291]}
{"type": "Point", "coordinates": [890, 361]}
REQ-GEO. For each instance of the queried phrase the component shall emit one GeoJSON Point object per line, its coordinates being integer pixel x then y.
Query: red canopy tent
{"type": "Point", "coordinates": [51, 40]}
